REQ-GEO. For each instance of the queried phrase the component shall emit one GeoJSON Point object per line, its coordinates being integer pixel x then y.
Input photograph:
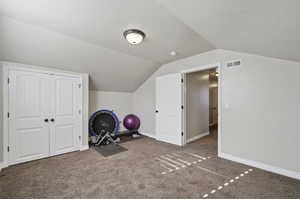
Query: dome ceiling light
{"type": "Point", "coordinates": [134, 36]}
{"type": "Point", "coordinates": [173, 53]}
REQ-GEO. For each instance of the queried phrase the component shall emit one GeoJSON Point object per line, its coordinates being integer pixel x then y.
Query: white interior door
{"type": "Point", "coordinates": [169, 109]}
{"type": "Point", "coordinates": [29, 101]}
{"type": "Point", "coordinates": [66, 125]}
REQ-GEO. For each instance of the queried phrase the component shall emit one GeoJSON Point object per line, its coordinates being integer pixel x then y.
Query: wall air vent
{"type": "Point", "coordinates": [234, 63]}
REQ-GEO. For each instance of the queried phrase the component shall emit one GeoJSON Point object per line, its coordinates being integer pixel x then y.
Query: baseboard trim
{"type": "Point", "coordinates": [197, 137]}
{"type": "Point", "coordinates": [84, 148]}
{"type": "Point", "coordinates": [2, 166]}
{"type": "Point", "coordinates": [148, 135]}
{"type": "Point", "coordinates": [277, 170]}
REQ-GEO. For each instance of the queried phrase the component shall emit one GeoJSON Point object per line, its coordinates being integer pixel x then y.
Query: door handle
{"type": "Point", "coordinates": [52, 120]}
{"type": "Point", "coordinates": [46, 120]}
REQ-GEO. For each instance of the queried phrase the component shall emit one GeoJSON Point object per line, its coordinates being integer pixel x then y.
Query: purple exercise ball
{"type": "Point", "coordinates": [131, 122]}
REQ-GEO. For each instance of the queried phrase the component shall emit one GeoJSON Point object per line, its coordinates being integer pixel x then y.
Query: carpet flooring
{"type": "Point", "coordinates": [149, 169]}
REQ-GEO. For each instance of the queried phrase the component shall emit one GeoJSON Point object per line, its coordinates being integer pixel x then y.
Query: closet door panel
{"type": "Point", "coordinates": [65, 131]}
{"type": "Point", "coordinates": [64, 98]}
{"type": "Point", "coordinates": [29, 107]}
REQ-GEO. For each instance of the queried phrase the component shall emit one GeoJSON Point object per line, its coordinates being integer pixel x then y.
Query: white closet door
{"type": "Point", "coordinates": [66, 120]}
{"type": "Point", "coordinates": [29, 101]}
{"type": "Point", "coordinates": [169, 111]}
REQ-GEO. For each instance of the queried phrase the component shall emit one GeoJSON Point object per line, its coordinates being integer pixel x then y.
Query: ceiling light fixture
{"type": "Point", "coordinates": [173, 53]}
{"type": "Point", "coordinates": [134, 36]}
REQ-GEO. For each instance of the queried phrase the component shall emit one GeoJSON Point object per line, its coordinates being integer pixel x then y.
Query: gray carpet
{"type": "Point", "coordinates": [137, 173]}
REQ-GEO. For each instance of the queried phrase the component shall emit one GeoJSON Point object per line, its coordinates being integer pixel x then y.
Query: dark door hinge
{"type": "Point", "coordinates": [182, 107]}
{"type": "Point", "coordinates": [181, 133]}
{"type": "Point", "coordinates": [8, 80]}
{"type": "Point", "coordinates": [8, 114]}
{"type": "Point", "coordinates": [8, 149]}
{"type": "Point", "coordinates": [181, 80]}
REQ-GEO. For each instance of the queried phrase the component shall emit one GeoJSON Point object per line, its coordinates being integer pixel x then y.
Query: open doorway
{"type": "Point", "coordinates": [201, 99]}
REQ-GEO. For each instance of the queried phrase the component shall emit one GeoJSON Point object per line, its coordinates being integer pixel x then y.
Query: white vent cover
{"type": "Point", "coordinates": [234, 63]}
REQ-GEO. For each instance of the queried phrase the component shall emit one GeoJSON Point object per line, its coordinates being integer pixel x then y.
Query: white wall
{"type": "Point", "coordinates": [197, 104]}
{"type": "Point", "coordinates": [144, 96]}
{"type": "Point", "coordinates": [119, 102]}
{"type": "Point", "coordinates": [261, 121]}
{"type": "Point", "coordinates": [1, 115]}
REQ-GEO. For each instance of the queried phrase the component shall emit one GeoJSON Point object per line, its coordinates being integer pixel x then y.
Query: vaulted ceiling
{"type": "Point", "coordinates": [265, 27]}
{"type": "Point", "coordinates": [86, 36]}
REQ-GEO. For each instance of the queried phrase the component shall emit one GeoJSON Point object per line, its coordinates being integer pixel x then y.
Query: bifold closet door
{"type": "Point", "coordinates": [29, 101]}
{"type": "Point", "coordinates": [66, 120]}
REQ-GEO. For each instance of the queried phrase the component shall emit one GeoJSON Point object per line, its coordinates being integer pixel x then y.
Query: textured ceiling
{"type": "Point", "coordinates": [86, 36]}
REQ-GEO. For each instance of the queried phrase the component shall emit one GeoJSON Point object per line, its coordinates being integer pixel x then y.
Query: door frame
{"type": "Point", "coordinates": [10, 66]}
{"type": "Point", "coordinates": [220, 79]}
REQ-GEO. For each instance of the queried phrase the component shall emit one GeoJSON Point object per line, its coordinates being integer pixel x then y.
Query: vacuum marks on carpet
{"type": "Point", "coordinates": [176, 161]}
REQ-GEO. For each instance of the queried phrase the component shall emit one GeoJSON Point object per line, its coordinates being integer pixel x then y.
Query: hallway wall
{"type": "Point", "coordinates": [197, 104]}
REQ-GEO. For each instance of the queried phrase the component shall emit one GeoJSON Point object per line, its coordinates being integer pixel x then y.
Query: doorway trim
{"type": "Point", "coordinates": [220, 79]}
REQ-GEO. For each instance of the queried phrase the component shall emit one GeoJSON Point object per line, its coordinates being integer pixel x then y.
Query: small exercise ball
{"type": "Point", "coordinates": [131, 122]}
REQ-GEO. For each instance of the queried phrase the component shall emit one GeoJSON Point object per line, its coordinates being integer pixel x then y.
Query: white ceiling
{"type": "Point", "coordinates": [86, 35]}
{"type": "Point", "coordinates": [109, 70]}
{"type": "Point", "coordinates": [102, 22]}
{"type": "Point", "coordinates": [265, 27]}
{"type": "Point", "coordinates": [99, 24]}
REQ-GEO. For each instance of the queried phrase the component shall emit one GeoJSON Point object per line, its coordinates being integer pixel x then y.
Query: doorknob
{"type": "Point", "coordinates": [46, 120]}
{"type": "Point", "coordinates": [52, 120]}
